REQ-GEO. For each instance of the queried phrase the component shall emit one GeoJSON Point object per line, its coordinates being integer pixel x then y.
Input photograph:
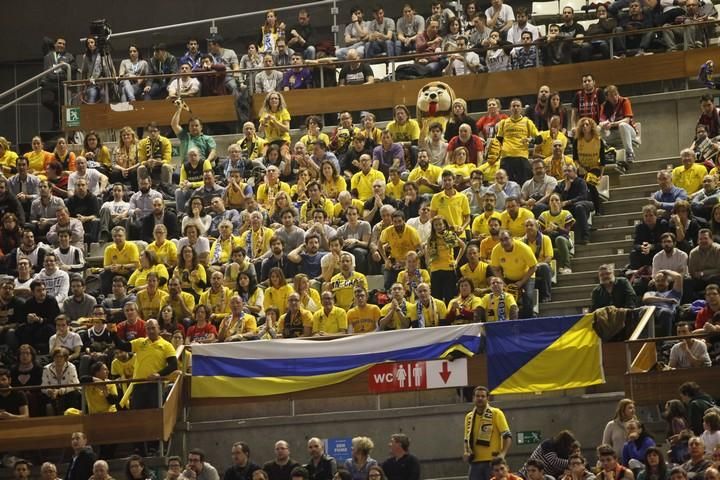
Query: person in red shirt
{"type": "Point", "coordinates": [486, 124]}
{"type": "Point", "coordinates": [501, 471]}
{"type": "Point", "coordinates": [473, 143]}
{"type": "Point", "coordinates": [203, 331]}
{"type": "Point", "coordinates": [616, 121]}
{"type": "Point", "coordinates": [712, 306]}
{"type": "Point", "coordinates": [133, 326]}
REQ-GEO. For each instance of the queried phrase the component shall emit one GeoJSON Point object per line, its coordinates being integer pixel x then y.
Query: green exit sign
{"type": "Point", "coordinates": [529, 437]}
{"type": "Point", "coordinates": [72, 116]}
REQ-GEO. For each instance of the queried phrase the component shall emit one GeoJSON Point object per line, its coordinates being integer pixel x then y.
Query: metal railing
{"type": "Point", "coordinates": [392, 61]}
{"type": "Point", "coordinates": [29, 81]}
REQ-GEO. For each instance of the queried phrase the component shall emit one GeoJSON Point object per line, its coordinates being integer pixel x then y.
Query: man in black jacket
{"type": "Point", "coordinates": [575, 198]}
{"type": "Point", "coordinates": [321, 466]}
{"type": "Point", "coordinates": [81, 465]}
{"type": "Point", "coordinates": [402, 465]}
{"type": "Point", "coordinates": [159, 216]}
{"type": "Point", "coordinates": [242, 468]}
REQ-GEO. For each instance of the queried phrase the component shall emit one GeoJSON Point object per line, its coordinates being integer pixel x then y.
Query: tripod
{"type": "Point", "coordinates": [107, 66]}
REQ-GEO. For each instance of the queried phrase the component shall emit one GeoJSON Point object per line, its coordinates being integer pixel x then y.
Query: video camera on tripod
{"type": "Point", "coordinates": [102, 32]}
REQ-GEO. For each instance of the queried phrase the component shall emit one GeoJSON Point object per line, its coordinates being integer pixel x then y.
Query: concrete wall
{"type": "Point", "coordinates": [435, 431]}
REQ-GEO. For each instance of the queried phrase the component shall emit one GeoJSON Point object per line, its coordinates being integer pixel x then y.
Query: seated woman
{"type": "Point", "coordinates": [253, 296]}
{"type": "Point", "coordinates": [238, 325]}
{"type": "Point", "coordinates": [331, 182]}
{"type": "Point", "coordinates": [125, 159]}
{"type": "Point", "coordinates": [282, 201]}
{"type": "Point", "coordinates": [196, 215]}
{"type": "Point", "coordinates": [278, 290]}
{"type": "Point", "coordinates": [169, 324]}
{"type": "Point", "coordinates": [97, 154]}
{"type": "Point", "coordinates": [252, 59]}
{"type": "Point", "coordinates": [309, 297]}
{"type": "Point", "coordinates": [269, 32]}
{"type": "Point", "coordinates": [148, 263]}
{"type": "Point", "coordinates": [313, 127]}
{"type": "Point", "coordinates": [62, 154]}
{"type": "Point", "coordinates": [461, 167]}
{"type": "Point", "coordinates": [655, 466]}
{"type": "Point", "coordinates": [638, 441]}
{"type": "Point", "coordinates": [37, 158]}
{"type": "Point", "coordinates": [27, 373]}
{"type": "Point", "coordinates": [589, 153]}
{"type": "Point", "coordinates": [8, 158]}
{"type": "Point", "coordinates": [202, 331]}
{"type": "Point", "coordinates": [101, 398]}
{"type": "Point", "coordinates": [132, 67]}
{"type": "Point", "coordinates": [557, 223]}
{"type": "Point", "coordinates": [60, 372]}
{"type": "Point", "coordinates": [275, 119]}
{"type": "Point", "coordinates": [461, 309]}
{"type": "Point", "coordinates": [57, 178]}
{"type": "Point", "coordinates": [10, 236]}
{"type": "Point", "coordinates": [164, 249]}
{"type": "Point", "coordinates": [192, 275]}
{"type": "Point", "coordinates": [200, 245]}
{"type": "Point", "coordinates": [298, 192]}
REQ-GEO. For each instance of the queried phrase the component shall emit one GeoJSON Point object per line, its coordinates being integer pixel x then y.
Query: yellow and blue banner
{"type": "Point", "coordinates": [274, 367]}
{"type": "Point", "coordinates": [543, 354]}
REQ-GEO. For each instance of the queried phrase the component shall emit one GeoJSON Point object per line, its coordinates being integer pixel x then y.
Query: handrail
{"type": "Point", "coordinates": [648, 314]}
{"type": "Point", "coordinates": [413, 56]}
{"type": "Point", "coordinates": [31, 388]}
{"type": "Point", "coordinates": [222, 19]}
{"type": "Point", "coordinates": [673, 337]}
{"type": "Point", "coordinates": [18, 99]}
{"type": "Point", "coordinates": [40, 75]}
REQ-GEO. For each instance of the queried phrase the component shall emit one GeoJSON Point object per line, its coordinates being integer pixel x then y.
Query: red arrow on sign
{"type": "Point", "coordinates": [445, 372]}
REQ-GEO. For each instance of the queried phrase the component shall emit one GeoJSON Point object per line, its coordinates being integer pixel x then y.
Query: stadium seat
{"type": "Point", "coordinates": [545, 9]}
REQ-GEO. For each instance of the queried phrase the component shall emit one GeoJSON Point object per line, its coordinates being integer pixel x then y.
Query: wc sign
{"type": "Point", "coordinates": [411, 376]}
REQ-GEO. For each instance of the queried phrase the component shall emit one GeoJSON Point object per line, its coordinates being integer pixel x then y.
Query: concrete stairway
{"type": "Point", "coordinates": [611, 238]}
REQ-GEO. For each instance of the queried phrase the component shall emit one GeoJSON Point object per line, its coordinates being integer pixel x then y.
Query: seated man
{"type": "Point", "coordinates": [541, 245]}
{"type": "Point", "coordinates": [497, 305]}
{"type": "Point", "coordinates": [668, 193]}
{"type": "Point", "coordinates": [690, 352]}
{"type": "Point", "coordinates": [575, 198]}
{"type": "Point", "coordinates": [612, 291]}
{"type": "Point", "coordinates": [120, 258]}
{"type": "Point", "coordinates": [114, 212]}
{"type": "Point", "coordinates": [297, 78]}
{"type": "Point", "coordinates": [363, 317]}
{"type": "Point", "coordinates": [666, 298]}
{"type": "Point", "coordinates": [154, 156]}
{"type": "Point", "coordinates": [183, 86]}
{"type": "Point", "coordinates": [396, 314]}
{"type": "Point", "coordinates": [515, 262]}
{"type": "Point", "coordinates": [329, 320]}
{"type": "Point", "coordinates": [343, 284]}
{"type": "Point", "coordinates": [355, 73]}
{"type": "Point", "coordinates": [429, 311]}
{"type": "Point", "coordinates": [689, 175]}
{"type": "Point", "coordinates": [704, 262]}
{"type": "Point", "coordinates": [704, 201]}
{"type": "Point", "coordinates": [73, 225]}
{"type": "Point", "coordinates": [616, 117]}
{"type": "Point", "coordinates": [85, 207]}
{"type": "Point", "coordinates": [646, 239]}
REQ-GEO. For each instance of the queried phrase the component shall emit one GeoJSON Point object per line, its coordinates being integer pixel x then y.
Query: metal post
{"type": "Point", "coordinates": [322, 76]}
{"type": "Point", "coordinates": [161, 447]}
{"type": "Point", "coordinates": [334, 28]}
{"type": "Point", "coordinates": [159, 393]}
{"type": "Point", "coordinates": [83, 403]}
{"type": "Point", "coordinates": [292, 407]}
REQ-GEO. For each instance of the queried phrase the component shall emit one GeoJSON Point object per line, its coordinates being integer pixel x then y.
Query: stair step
{"type": "Point", "coordinates": [652, 164]}
{"type": "Point", "coordinates": [593, 262]}
{"type": "Point", "coordinates": [572, 292]}
{"type": "Point", "coordinates": [616, 205]}
{"type": "Point", "coordinates": [630, 179]}
{"type": "Point", "coordinates": [610, 234]}
{"type": "Point", "coordinates": [579, 277]}
{"type": "Point", "coordinates": [600, 248]}
{"type": "Point", "coordinates": [564, 307]}
{"type": "Point", "coordinates": [616, 219]}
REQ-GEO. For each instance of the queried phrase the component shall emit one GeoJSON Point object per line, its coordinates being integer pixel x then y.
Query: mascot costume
{"type": "Point", "coordinates": [434, 104]}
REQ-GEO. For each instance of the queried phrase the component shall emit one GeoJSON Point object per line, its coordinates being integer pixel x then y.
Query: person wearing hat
{"type": "Point", "coordinates": [161, 63]}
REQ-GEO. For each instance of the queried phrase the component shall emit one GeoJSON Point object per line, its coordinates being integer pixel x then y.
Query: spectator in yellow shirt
{"type": "Point", "coordinates": [514, 217]}
{"type": "Point", "coordinates": [515, 262]}
{"type": "Point", "coordinates": [343, 284]}
{"type": "Point", "coordinates": [689, 175]}
{"type": "Point", "coordinates": [541, 245]}
{"type": "Point", "coordinates": [490, 242]}
{"type": "Point", "coordinates": [361, 184]}
{"type": "Point", "coordinates": [428, 311]}
{"type": "Point", "coordinates": [413, 275]}
{"type": "Point", "coordinates": [216, 298]}
{"type": "Point", "coordinates": [395, 243]}
{"type": "Point", "coordinates": [497, 305]}
{"type": "Point", "coordinates": [475, 270]}
{"type": "Point", "coordinates": [278, 291]}
{"type": "Point", "coordinates": [329, 320]}
{"type": "Point", "coordinates": [363, 317]}
{"type": "Point", "coordinates": [396, 314]}
{"type": "Point", "coordinates": [480, 225]}
{"type": "Point", "coordinates": [450, 204]}
{"type": "Point", "coordinates": [515, 133]}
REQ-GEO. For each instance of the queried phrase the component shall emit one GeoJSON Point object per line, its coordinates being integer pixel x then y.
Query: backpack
{"type": "Point", "coordinates": [411, 71]}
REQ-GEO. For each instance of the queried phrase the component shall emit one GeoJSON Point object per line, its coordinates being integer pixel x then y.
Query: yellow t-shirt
{"type": "Point", "coordinates": [36, 161]}
{"type": "Point", "coordinates": [400, 243]}
{"type": "Point", "coordinates": [175, 304]}
{"type": "Point", "coordinates": [150, 306]}
{"type": "Point", "coordinates": [277, 297]}
{"type": "Point", "coordinates": [128, 254]}
{"type": "Point", "coordinates": [122, 369]}
{"type": "Point", "coordinates": [514, 263]}
{"type": "Point", "coordinates": [490, 303]}
{"type": "Point", "coordinates": [344, 288]}
{"type": "Point", "coordinates": [689, 179]}
{"type": "Point", "coordinates": [314, 297]}
{"type": "Point", "coordinates": [561, 219]}
{"type": "Point", "coordinates": [198, 183]}
{"type": "Point", "coordinates": [516, 226]}
{"type": "Point", "coordinates": [402, 279]}
{"type": "Point", "coordinates": [333, 188]}
{"type": "Point", "coordinates": [489, 170]}
{"type": "Point", "coordinates": [478, 277]}
{"type": "Point", "coordinates": [97, 402]}
{"type": "Point", "coordinates": [463, 170]}
{"type": "Point", "coordinates": [309, 140]}
{"type": "Point", "coordinates": [486, 247]}
{"type": "Point", "coordinates": [167, 253]}
{"type": "Point", "coordinates": [217, 302]}
{"type": "Point", "coordinates": [139, 277]}
{"type": "Point", "coordinates": [546, 249]}
{"type": "Point", "coordinates": [459, 305]}
{"type": "Point", "coordinates": [480, 223]}
{"type": "Point", "coordinates": [555, 168]}
{"type": "Point", "coordinates": [454, 209]}
{"type": "Point", "coordinates": [480, 423]}
{"type": "Point", "coordinates": [338, 210]}
{"type": "Point", "coordinates": [335, 322]}
{"type": "Point", "coordinates": [150, 357]}
{"type": "Point", "coordinates": [363, 320]}
{"type": "Point", "coordinates": [266, 194]}
{"type": "Point", "coordinates": [394, 323]}
{"type": "Point", "coordinates": [8, 161]}
{"type": "Point", "coordinates": [272, 133]}
{"type": "Point", "coordinates": [431, 316]}
{"type": "Point", "coordinates": [258, 146]}
{"type": "Point", "coordinates": [221, 250]}
{"type": "Point", "coordinates": [432, 174]}
{"type": "Point", "coordinates": [545, 148]}
{"type": "Point", "coordinates": [363, 183]}
{"type": "Point", "coordinates": [408, 132]}
{"type": "Point", "coordinates": [296, 329]}
{"type": "Point", "coordinates": [195, 280]}
{"type": "Point", "coordinates": [260, 241]}
{"type": "Point", "coordinates": [395, 190]}
{"type": "Point", "coordinates": [588, 152]}
{"type": "Point", "coordinates": [514, 134]}
{"type": "Point", "coordinates": [306, 211]}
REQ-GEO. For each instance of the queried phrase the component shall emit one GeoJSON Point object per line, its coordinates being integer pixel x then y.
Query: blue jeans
{"type": "Point", "coordinates": [92, 94]}
{"type": "Point", "coordinates": [341, 53]}
{"type": "Point", "coordinates": [129, 91]}
{"type": "Point", "coordinates": [527, 298]}
{"type": "Point", "coordinates": [479, 471]}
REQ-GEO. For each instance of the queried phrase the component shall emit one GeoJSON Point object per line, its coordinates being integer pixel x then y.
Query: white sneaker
{"type": "Point", "coordinates": [564, 271]}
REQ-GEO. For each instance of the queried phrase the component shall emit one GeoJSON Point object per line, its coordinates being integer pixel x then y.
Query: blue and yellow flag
{"type": "Point", "coordinates": [543, 354]}
{"type": "Point", "coordinates": [273, 367]}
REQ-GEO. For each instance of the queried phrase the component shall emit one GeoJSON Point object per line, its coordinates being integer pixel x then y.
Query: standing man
{"type": "Point", "coordinates": [81, 466]}
{"type": "Point", "coordinates": [451, 204]}
{"type": "Point", "coordinates": [515, 134]}
{"type": "Point", "coordinates": [321, 466]}
{"type": "Point", "coordinates": [282, 465]}
{"type": "Point", "coordinates": [300, 35]}
{"type": "Point", "coordinates": [242, 468]}
{"type": "Point", "coordinates": [587, 101]}
{"type": "Point", "coordinates": [487, 435]}
{"type": "Point", "coordinates": [402, 465]}
{"type": "Point", "coordinates": [52, 95]}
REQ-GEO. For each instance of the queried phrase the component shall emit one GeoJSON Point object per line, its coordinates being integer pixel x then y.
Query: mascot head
{"type": "Point", "coordinates": [435, 98]}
